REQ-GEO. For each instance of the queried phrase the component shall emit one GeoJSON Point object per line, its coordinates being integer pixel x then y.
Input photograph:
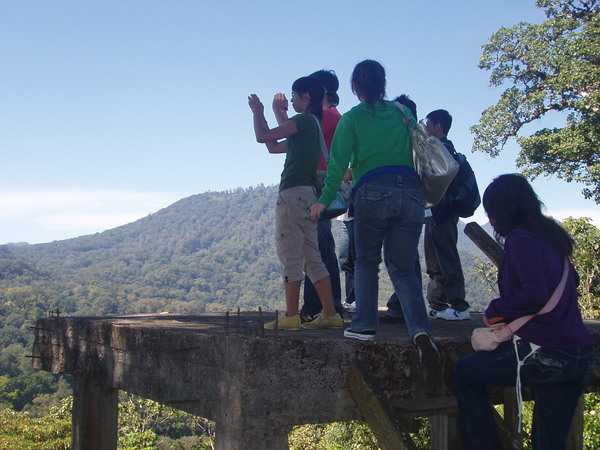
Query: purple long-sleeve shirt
{"type": "Point", "coordinates": [528, 275]}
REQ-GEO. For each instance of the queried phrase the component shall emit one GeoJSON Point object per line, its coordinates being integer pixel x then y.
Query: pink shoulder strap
{"type": "Point", "coordinates": [512, 327]}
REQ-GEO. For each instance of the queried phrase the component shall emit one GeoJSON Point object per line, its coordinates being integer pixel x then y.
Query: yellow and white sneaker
{"type": "Point", "coordinates": [323, 321]}
{"type": "Point", "coordinates": [284, 322]}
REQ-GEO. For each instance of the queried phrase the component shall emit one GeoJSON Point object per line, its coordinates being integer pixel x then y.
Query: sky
{"type": "Point", "coordinates": [113, 110]}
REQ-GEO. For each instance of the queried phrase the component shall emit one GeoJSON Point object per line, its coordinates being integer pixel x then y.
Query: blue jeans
{"type": "Point", "coordinates": [557, 376]}
{"type": "Point", "coordinates": [312, 303]}
{"type": "Point", "coordinates": [388, 212]}
{"type": "Point", "coordinates": [394, 308]}
{"type": "Point", "coordinates": [347, 257]}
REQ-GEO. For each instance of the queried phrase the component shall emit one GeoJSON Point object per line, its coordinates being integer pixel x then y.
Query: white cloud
{"type": "Point", "coordinates": [36, 216]}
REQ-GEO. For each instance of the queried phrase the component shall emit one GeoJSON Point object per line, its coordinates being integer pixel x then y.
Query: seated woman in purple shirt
{"type": "Point", "coordinates": [560, 348]}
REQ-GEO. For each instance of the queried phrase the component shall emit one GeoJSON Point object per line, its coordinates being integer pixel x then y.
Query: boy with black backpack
{"type": "Point", "coordinates": [446, 287]}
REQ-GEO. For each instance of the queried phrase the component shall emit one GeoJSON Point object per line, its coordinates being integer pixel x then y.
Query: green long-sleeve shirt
{"type": "Point", "coordinates": [366, 139]}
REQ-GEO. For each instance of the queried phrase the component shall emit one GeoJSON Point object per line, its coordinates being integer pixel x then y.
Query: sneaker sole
{"type": "Point", "coordinates": [284, 329]}
{"type": "Point", "coordinates": [361, 337]}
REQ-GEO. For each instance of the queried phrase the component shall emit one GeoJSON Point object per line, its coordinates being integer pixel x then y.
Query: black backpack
{"type": "Point", "coordinates": [463, 193]}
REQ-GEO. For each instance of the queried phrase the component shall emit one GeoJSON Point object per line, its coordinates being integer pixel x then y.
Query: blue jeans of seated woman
{"type": "Point", "coordinates": [557, 376]}
{"type": "Point", "coordinates": [388, 213]}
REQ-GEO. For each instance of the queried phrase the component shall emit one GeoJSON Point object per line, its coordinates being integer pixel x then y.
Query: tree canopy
{"type": "Point", "coordinates": [552, 66]}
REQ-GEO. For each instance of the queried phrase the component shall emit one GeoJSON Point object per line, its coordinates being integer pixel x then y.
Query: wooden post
{"type": "Point", "coordinates": [444, 433]}
{"type": "Point", "coordinates": [376, 409]}
{"type": "Point", "coordinates": [511, 413]}
{"type": "Point", "coordinates": [442, 413]}
{"type": "Point", "coordinates": [507, 439]}
{"type": "Point", "coordinates": [94, 421]}
{"type": "Point", "coordinates": [484, 242]}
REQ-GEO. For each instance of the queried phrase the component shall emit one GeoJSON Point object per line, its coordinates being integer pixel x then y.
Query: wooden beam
{"type": "Point", "coordinates": [446, 406]}
{"type": "Point", "coordinates": [509, 441]}
{"type": "Point", "coordinates": [511, 413]}
{"type": "Point", "coordinates": [376, 409]}
{"type": "Point", "coordinates": [484, 242]}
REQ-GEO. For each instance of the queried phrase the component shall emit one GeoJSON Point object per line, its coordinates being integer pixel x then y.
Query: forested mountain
{"type": "Point", "coordinates": [208, 252]}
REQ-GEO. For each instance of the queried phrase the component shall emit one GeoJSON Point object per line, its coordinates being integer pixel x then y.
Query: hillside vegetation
{"type": "Point", "coordinates": [208, 252]}
{"type": "Point", "coordinates": [205, 253]}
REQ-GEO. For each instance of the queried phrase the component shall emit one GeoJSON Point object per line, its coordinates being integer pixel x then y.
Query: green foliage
{"type": "Point", "coordinates": [586, 259]}
{"type": "Point", "coordinates": [591, 422]}
{"type": "Point", "coordinates": [552, 66]}
{"type": "Point", "coordinates": [356, 435]}
{"type": "Point", "coordinates": [143, 422]}
{"type": "Point", "coordinates": [20, 430]}
{"type": "Point", "coordinates": [353, 435]}
{"type": "Point", "coordinates": [487, 275]}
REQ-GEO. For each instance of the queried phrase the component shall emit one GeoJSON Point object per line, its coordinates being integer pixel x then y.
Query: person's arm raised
{"type": "Point", "coordinates": [280, 107]}
{"type": "Point", "coordinates": [266, 135]}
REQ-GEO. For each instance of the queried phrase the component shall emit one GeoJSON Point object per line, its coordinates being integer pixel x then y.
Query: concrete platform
{"type": "Point", "coordinates": [254, 387]}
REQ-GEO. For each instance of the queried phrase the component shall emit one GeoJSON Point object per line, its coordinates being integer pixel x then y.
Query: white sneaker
{"type": "Point", "coordinates": [432, 313]}
{"type": "Point", "coordinates": [349, 307]}
{"type": "Point", "coordinates": [452, 314]}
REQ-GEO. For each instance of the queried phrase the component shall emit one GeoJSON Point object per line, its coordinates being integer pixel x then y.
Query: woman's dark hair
{"type": "Point", "coordinates": [510, 202]}
{"type": "Point", "coordinates": [368, 81]}
{"type": "Point", "coordinates": [314, 88]}
{"type": "Point", "coordinates": [330, 83]}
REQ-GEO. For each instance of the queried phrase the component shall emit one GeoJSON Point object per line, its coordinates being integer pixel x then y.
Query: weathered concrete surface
{"type": "Point", "coordinates": [255, 388]}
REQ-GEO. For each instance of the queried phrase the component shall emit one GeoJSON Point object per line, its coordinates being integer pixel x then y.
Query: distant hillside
{"type": "Point", "coordinates": [208, 252]}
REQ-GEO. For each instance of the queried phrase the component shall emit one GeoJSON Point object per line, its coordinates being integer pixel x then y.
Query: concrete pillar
{"type": "Point", "coordinates": [95, 409]}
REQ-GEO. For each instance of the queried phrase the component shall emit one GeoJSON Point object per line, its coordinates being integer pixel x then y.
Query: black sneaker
{"type": "Point", "coordinates": [367, 335]}
{"type": "Point", "coordinates": [306, 318]}
{"type": "Point", "coordinates": [428, 352]}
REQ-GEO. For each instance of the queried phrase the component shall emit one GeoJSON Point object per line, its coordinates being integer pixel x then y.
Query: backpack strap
{"type": "Point", "coordinates": [322, 140]}
{"type": "Point", "coordinates": [408, 120]}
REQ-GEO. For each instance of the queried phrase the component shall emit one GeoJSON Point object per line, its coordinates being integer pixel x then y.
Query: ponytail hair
{"type": "Point", "coordinates": [330, 83]}
{"type": "Point", "coordinates": [510, 202]}
{"type": "Point", "coordinates": [314, 89]}
{"type": "Point", "coordinates": [368, 81]}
